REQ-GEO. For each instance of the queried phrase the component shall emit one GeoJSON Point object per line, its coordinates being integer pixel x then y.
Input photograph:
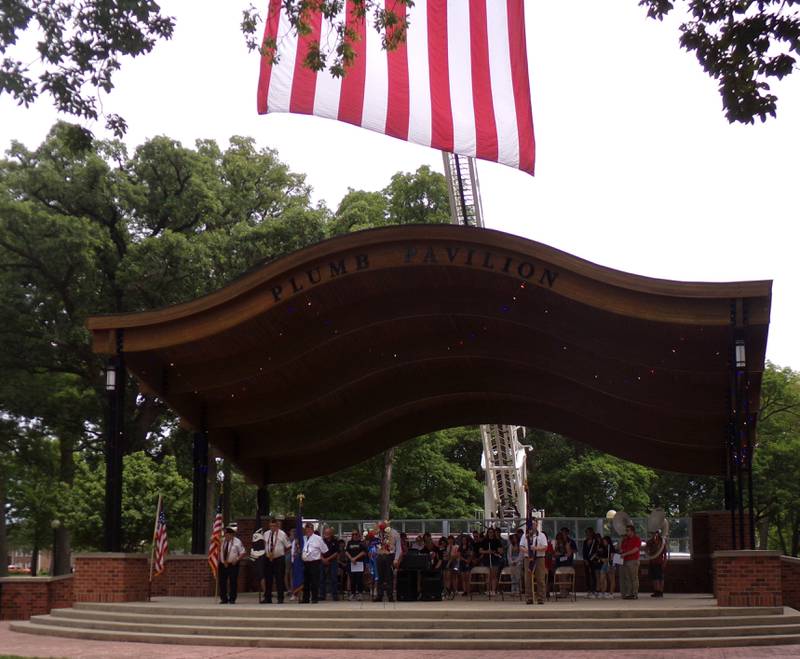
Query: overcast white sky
{"type": "Point", "coordinates": [637, 168]}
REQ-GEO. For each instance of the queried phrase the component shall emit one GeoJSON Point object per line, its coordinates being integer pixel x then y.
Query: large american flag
{"type": "Point", "coordinates": [216, 541]}
{"type": "Point", "coordinates": [458, 83]}
{"type": "Point", "coordinates": [160, 544]}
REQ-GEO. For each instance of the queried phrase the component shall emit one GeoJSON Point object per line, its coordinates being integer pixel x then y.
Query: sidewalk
{"type": "Point", "coordinates": [26, 645]}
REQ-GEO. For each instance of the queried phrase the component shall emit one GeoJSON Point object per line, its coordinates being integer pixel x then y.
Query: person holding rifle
{"type": "Point", "coordinates": [534, 546]}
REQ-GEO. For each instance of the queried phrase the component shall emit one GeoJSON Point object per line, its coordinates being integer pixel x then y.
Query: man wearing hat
{"type": "Point", "coordinates": [231, 553]}
{"type": "Point", "coordinates": [389, 553]}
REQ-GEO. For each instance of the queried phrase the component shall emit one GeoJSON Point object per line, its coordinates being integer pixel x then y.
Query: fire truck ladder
{"type": "Point", "coordinates": [504, 458]}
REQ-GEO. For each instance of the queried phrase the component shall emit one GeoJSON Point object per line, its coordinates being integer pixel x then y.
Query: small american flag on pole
{"type": "Point", "coordinates": [216, 541]}
{"type": "Point", "coordinates": [160, 543]}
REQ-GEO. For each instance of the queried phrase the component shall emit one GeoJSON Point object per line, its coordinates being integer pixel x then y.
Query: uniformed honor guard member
{"type": "Point", "coordinates": [313, 548]}
{"type": "Point", "coordinates": [230, 555]}
{"type": "Point", "coordinates": [258, 553]}
{"type": "Point", "coordinates": [276, 543]}
{"type": "Point", "coordinates": [389, 553]}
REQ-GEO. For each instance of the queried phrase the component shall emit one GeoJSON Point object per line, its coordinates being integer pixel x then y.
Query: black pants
{"type": "Point", "coordinates": [311, 570]}
{"type": "Point", "coordinates": [356, 582]}
{"type": "Point", "coordinates": [591, 577]}
{"type": "Point", "coordinates": [228, 578]}
{"type": "Point", "coordinates": [275, 571]}
{"type": "Point", "coordinates": [386, 575]}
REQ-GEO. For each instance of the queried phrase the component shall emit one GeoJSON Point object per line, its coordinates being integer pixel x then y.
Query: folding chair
{"type": "Point", "coordinates": [475, 581]}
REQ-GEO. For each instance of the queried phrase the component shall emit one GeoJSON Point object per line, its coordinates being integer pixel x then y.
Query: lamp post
{"type": "Point", "coordinates": [115, 390]}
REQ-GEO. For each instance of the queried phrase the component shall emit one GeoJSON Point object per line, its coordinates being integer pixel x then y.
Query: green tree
{"type": "Point", "coordinates": [144, 478]}
{"type": "Point", "coordinates": [776, 459]}
{"type": "Point", "coordinates": [570, 479]}
{"type": "Point", "coordinates": [85, 228]}
{"type": "Point", "coordinates": [742, 45]}
{"type": "Point", "coordinates": [79, 46]}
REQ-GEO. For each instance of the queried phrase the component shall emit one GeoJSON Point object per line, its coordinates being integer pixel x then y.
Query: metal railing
{"type": "Point", "coordinates": [680, 539]}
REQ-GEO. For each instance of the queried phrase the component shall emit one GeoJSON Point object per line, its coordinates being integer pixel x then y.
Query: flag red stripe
{"type": "Point", "coordinates": [398, 99]}
{"type": "Point", "coordinates": [485, 125]}
{"type": "Point", "coordinates": [304, 81]}
{"type": "Point", "coordinates": [519, 77]}
{"type": "Point", "coordinates": [351, 98]}
{"type": "Point", "coordinates": [441, 110]}
{"type": "Point", "coordinates": [270, 30]}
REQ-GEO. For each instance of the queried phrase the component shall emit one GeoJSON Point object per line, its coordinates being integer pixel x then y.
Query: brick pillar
{"type": "Point", "coordinates": [111, 577]}
{"type": "Point", "coordinates": [711, 531]}
{"type": "Point", "coordinates": [747, 578]}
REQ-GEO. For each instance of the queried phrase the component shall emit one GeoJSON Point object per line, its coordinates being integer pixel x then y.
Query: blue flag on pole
{"type": "Point", "coordinates": [297, 561]}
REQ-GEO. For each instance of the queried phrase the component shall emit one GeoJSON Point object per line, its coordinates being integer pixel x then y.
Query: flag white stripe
{"type": "Point", "coordinates": [460, 63]}
{"type": "Point", "coordinates": [328, 89]}
{"type": "Point", "coordinates": [502, 86]}
{"type": "Point", "coordinates": [419, 82]}
{"type": "Point", "coordinates": [280, 83]}
{"type": "Point", "coordinates": [376, 84]}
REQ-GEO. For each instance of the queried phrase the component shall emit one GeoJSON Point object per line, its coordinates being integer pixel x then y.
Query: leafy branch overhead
{"type": "Point", "coordinates": [390, 23]}
{"type": "Point", "coordinates": [79, 45]}
{"type": "Point", "coordinates": [742, 44]}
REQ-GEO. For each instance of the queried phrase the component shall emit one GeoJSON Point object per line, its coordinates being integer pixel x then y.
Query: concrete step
{"type": "Point", "coordinates": [335, 641]}
{"type": "Point", "coordinates": [415, 633]}
{"type": "Point", "coordinates": [532, 622]}
{"type": "Point", "coordinates": [441, 610]}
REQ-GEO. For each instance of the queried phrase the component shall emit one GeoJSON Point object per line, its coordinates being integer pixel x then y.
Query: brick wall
{"type": "Point", "coordinates": [23, 597]}
{"type": "Point", "coordinates": [747, 578]}
{"type": "Point", "coordinates": [711, 531]}
{"type": "Point", "coordinates": [111, 577]}
{"type": "Point", "coordinates": [790, 581]}
{"type": "Point", "coordinates": [184, 576]}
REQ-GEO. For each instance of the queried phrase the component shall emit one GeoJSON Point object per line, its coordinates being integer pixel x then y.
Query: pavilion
{"type": "Point", "coordinates": [319, 359]}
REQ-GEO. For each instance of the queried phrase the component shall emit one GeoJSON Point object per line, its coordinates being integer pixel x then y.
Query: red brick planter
{"type": "Point", "coordinates": [184, 576]}
{"type": "Point", "coordinates": [23, 597]}
{"type": "Point", "coordinates": [111, 577]}
{"type": "Point", "coordinates": [747, 578]}
{"type": "Point", "coordinates": [790, 581]}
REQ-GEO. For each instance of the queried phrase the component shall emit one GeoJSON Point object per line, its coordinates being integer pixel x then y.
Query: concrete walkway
{"type": "Point", "coordinates": [25, 645]}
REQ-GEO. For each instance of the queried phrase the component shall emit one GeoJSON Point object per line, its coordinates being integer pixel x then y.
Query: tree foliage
{"type": "Point", "coordinates": [743, 45]}
{"type": "Point", "coordinates": [79, 45]}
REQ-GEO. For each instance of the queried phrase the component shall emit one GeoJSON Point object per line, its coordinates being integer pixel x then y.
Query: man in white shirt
{"type": "Point", "coordinates": [276, 543]}
{"type": "Point", "coordinates": [534, 546]}
{"type": "Point", "coordinates": [313, 549]}
{"type": "Point", "coordinates": [231, 553]}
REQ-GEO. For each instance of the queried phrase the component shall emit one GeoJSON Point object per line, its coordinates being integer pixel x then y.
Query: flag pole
{"type": "Point", "coordinates": [219, 550]}
{"type": "Point", "coordinates": [153, 548]}
{"type": "Point", "coordinates": [153, 543]}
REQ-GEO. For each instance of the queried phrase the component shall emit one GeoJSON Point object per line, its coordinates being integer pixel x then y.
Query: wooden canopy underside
{"type": "Point", "coordinates": [320, 359]}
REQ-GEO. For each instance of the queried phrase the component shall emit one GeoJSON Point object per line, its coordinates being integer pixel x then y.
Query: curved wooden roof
{"type": "Point", "coordinates": [320, 359]}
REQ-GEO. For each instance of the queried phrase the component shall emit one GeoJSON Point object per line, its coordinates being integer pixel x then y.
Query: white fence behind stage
{"type": "Point", "coordinates": [680, 540]}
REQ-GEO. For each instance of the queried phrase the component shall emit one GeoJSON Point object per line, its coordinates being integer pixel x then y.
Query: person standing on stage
{"type": "Point", "coordinates": [329, 567]}
{"type": "Point", "coordinates": [231, 553]}
{"type": "Point", "coordinates": [534, 546]}
{"type": "Point", "coordinates": [630, 549]}
{"type": "Point", "coordinates": [357, 553]}
{"type": "Point", "coordinates": [276, 543]}
{"type": "Point", "coordinates": [258, 554]}
{"type": "Point", "coordinates": [389, 552]}
{"type": "Point", "coordinates": [313, 549]}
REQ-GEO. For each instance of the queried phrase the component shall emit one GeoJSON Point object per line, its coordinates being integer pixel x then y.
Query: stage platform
{"type": "Point", "coordinates": [676, 621]}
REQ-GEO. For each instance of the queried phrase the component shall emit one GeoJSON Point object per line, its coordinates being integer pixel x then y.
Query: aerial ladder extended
{"type": "Point", "coordinates": [504, 457]}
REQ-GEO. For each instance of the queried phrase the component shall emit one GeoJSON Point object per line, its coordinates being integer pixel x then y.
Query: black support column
{"type": "Point", "coordinates": [199, 490]}
{"type": "Point", "coordinates": [115, 445]}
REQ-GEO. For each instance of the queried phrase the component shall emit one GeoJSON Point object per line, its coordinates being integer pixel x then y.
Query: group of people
{"type": "Point", "coordinates": [365, 564]}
